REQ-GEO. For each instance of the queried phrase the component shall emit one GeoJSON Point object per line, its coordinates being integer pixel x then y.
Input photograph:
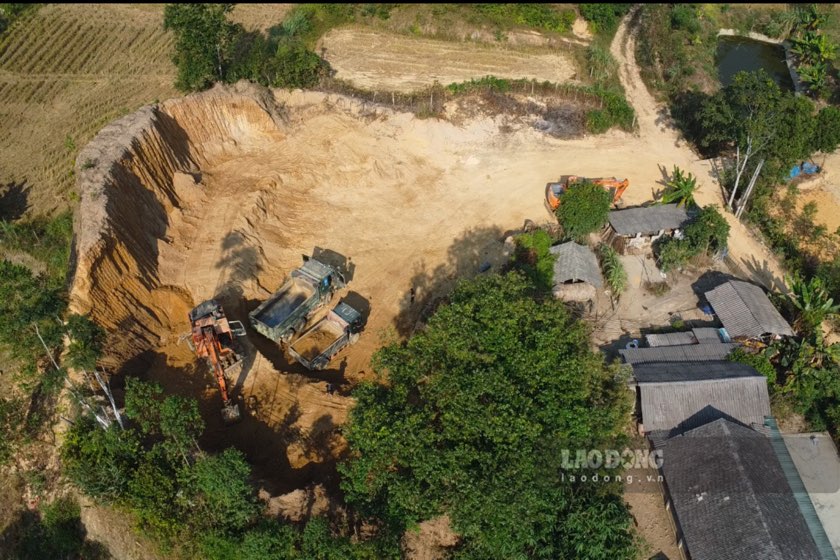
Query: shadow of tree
{"type": "Point", "coordinates": [239, 259]}
{"type": "Point", "coordinates": [14, 201]}
{"type": "Point", "coordinates": [469, 254]}
{"type": "Point", "coordinates": [27, 536]}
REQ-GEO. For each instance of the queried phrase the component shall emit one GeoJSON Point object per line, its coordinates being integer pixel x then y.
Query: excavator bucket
{"type": "Point", "coordinates": [231, 414]}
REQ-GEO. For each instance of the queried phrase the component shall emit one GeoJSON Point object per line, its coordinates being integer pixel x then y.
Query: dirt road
{"type": "Point", "coordinates": [659, 140]}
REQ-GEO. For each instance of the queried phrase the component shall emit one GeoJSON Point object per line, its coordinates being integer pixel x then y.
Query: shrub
{"type": "Point", "coordinates": [613, 270]}
{"type": "Point", "coordinates": [603, 18]}
{"type": "Point", "coordinates": [760, 362]}
{"type": "Point", "coordinates": [684, 17]}
{"type": "Point", "coordinates": [583, 209]}
{"type": "Point", "coordinates": [533, 257]}
{"type": "Point", "coordinates": [296, 66]}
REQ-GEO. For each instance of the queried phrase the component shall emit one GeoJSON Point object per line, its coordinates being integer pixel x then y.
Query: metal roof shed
{"type": "Point", "coordinates": [746, 311]}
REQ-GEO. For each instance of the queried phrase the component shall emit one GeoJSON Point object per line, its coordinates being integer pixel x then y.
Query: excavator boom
{"type": "Point", "coordinates": [213, 339]}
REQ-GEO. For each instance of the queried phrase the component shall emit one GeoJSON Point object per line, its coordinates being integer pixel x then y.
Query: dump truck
{"type": "Point", "coordinates": [554, 191]}
{"type": "Point", "coordinates": [316, 347]}
{"type": "Point", "coordinates": [286, 312]}
{"type": "Point", "coordinates": [213, 337]}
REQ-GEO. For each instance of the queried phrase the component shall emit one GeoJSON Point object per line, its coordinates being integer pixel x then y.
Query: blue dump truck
{"type": "Point", "coordinates": [287, 311]}
{"type": "Point", "coordinates": [316, 347]}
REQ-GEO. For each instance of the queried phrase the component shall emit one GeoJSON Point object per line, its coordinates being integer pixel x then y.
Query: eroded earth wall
{"type": "Point", "coordinates": [128, 192]}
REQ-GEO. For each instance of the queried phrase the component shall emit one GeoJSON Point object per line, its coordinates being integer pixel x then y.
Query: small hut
{"type": "Point", "coordinates": [577, 276]}
{"type": "Point", "coordinates": [633, 230]}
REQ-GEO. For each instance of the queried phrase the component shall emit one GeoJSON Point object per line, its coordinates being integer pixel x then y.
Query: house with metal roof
{"type": "Point", "coordinates": [746, 312]}
{"type": "Point", "coordinates": [732, 498]}
{"type": "Point", "coordinates": [577, 276]}
{"type": "Point", "coordinates": [632, 230]}
{"type": "Point", "coordinates": [673, 397]}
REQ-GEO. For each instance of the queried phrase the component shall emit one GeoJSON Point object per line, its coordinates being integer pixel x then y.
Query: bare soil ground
{"type": "Point", "coordinates": [380, 60]}
{"type": "Point", "coordinates": [413, 203]}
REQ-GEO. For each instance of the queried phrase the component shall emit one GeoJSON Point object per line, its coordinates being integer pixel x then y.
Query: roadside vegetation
{"type": "Point", "coordinates": [757, 133]}
{"type": "Point", "coordinates": [210, 48]}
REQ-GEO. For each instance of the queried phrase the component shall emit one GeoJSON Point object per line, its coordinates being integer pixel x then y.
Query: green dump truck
{"type": "Point", "coordinates": [286, 312]}
{"type": "Point", "coordinates": [316, 347]}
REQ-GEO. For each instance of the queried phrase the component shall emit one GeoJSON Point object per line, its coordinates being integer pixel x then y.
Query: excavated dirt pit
{"type": "Point", "coordinates": [219, 194]}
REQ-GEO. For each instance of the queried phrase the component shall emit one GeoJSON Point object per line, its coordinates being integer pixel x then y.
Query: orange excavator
{"type": "Point", "coordinates": [554, 191]}
{"type": "Point", "coordinates": [213, 338]}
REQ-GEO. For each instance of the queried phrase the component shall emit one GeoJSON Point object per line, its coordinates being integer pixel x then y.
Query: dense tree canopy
{"type": "Point", "coordinates": [584, 208]}
{"type": "Point", "coordinates": [204, 41]}
{"type": "Point", "coordinates": [472, 420]}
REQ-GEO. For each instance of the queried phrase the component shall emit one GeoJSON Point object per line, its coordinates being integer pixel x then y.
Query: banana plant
{"type": "Point", "coordinates": [812, 302]}
{"type": "Point", "coordinates": [680, 189]}
{"type": "Point", "coordinates": [816, 76]}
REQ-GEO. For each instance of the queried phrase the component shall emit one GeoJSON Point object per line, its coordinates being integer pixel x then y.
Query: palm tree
{"type": "Point", "coordinates": [680, 189]}
{"type": "Point", "coordinates": [812, 302]}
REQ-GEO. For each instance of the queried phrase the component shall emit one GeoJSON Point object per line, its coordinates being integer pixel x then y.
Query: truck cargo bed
{"type": "Point", "coordinates": [284, 303]}
{"type": "Point", "coordinates": [318, 340]}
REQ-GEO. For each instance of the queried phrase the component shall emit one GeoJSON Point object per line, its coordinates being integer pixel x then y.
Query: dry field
{"type": "Point", "coordinates": [67, 70]}
{"type": "Point", "coordinates": [376, 59]}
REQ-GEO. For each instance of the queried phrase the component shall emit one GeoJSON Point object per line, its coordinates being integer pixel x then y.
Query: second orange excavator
{"type": "Point", "coordinates": [554, 191]}
{"type": "Point", "coordinates": [213, 337]}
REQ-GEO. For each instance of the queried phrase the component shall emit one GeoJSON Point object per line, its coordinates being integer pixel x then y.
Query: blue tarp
{"type": "Point", "coordinates": [806, 168]}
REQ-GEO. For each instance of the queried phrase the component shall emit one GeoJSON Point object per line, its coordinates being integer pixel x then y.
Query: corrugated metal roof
{"type": "Point", "coordinates": [706, 334]}
{"type": "Point", "coordinates": [800, 494]}
{"type": "Point", "coordinates": [702, 335]}
{"type": "Point", "coordinates": [691, 372]}
{"type": "Point", "coordinates": [745, 310]}
{"type": "Point", "coordinates": [576, 263]}
{"type": "Point", "coordinates": [678, 353]}
{"type": "Point", "coordinates": [731, 498]}
{"type": "Point", "coordinates": [684, 405]}
{"type": "Point", "coordinates": [670, 339]}
{"type": "Point", "coordinates": [648, 220]}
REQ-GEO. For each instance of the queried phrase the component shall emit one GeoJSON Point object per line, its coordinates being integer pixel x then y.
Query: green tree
{"type": "Point", "coordinates": [218, 496]}
{"type": "Point", "coordinates": [707, 232]}
{"type": "Point", "coordinates": [583, 209]}
{"type": "Point", "coordinates": [533, 257]}
{"type": "Point", "coordinates": [86, 340]}
{"type": "Point", "coordinates": [296, 66]}
{"type": "Point", "coordinates": [752, 120]}
{"type": "Point", "coordinates": [101, 462]}
{"type": "Point", "coordinates": [760, 362]}
{"type": "Point", "coordinates": [204, 42]}
{"type": "Point", "coordinates": [603, 18]}
{"type": "Point", "coordinates": [476, 411]}
{"type": "Point", "coordinates": [680, 189]}
{"type": "Point", "coordinates": [826, 136]}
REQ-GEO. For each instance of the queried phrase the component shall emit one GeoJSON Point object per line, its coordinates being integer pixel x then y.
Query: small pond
{"type": "Point", "coordinates": [737, 54]}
